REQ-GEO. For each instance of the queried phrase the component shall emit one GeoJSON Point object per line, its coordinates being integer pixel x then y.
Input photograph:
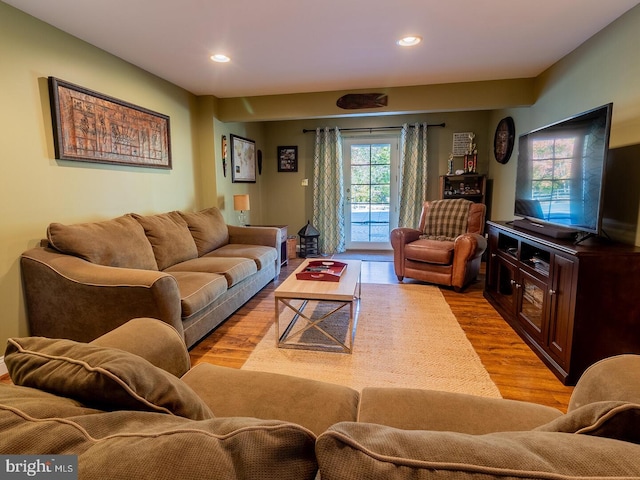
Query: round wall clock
{"type": "Point", "coordinates": [504, 139]}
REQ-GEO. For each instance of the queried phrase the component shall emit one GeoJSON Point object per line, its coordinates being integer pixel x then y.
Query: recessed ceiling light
{"type": "Point", "coordinates": [409, 41]}
{"type": "Point", "coordinates": [220, 58]}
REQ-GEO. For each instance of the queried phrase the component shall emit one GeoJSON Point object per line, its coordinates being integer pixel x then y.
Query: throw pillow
{"type": "Point", "coordinates": [446, 219]}
{"type": "Point", "coordinates": [208, 229]}
{"type": "Point", "coordinates": [120, 242]}
{"type": "Point", "coordinates": [617, 420]}
{"type": "Point", "coordinates": [105, 378]}
{"type": "Point", "coordinates": [151, 446]}
{"type": "Point", "coordinates": [366, 450]}
{"type": "Point", "coordinates": [170, 238]}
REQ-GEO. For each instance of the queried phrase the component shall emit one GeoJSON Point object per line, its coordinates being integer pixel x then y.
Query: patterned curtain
{"type": "Point", "coordinates": [328, 191]}
{"type": "Point", "coordinates": [413, 173]}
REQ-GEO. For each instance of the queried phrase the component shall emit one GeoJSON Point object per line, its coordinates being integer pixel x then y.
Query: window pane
{"type": "Point", "coordinates": [360, 174]}
{"type": "Point", "coordinates": [380, 174]}
{"type": "Point", "coordinates": [360, 193]}
{"type": "Point", "coordinates": [381, 154]}
{"type": "Point", "coordinates": [380, 193]}
{"type": "Point", "coordinates": [360, 154]}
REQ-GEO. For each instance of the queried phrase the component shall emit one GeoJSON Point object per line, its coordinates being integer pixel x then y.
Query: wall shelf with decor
{"type": "Point", "coordinates": [471, 186]}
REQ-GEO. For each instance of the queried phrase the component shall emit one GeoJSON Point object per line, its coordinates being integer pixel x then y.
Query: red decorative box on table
{"type": "Point", "coordinates": [322, 270]}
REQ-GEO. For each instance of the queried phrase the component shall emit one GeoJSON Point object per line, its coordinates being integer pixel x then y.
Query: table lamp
{"type": "Point", "coordinates": [241, 204]}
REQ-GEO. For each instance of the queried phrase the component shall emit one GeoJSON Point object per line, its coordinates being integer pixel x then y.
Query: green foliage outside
{"type": "Point", "coordinates": [371, 174]}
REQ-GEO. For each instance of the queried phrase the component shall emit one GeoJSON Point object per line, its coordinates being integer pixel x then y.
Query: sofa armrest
{"type": "Point", "coordinates": [403, 235]}
{"type": "Point", "coordinates": [399, 238]}
{"type": "Point", "coordinates": [413, 409]}
{"type": "Point", "coordinates": [151, 339]}
{"type": "Point", "coordinates": [68, 297]}
{"type": "Point", "coordinates": [230, 392]}
{"type": "Point", "coordinates": [614, 378]}
{"type": "Point", "coordinates": [469, 246]}
{"type": "Point", "coordinates": [467, 255]}
{"type": "Point", "coordinates": [268, 236]}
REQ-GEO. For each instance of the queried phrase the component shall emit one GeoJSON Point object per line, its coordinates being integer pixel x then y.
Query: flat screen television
{"type": "Point", "coordinates": [560, 175]}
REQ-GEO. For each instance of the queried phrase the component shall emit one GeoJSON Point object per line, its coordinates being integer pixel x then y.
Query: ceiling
{"type": "Point", "coordinates": [294, 46]}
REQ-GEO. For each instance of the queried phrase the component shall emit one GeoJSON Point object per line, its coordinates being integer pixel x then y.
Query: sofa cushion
{"type": "Point", "coordinates": [234, 270]}
{"type": "Point", "coordinates": [198, 289]}
{"type": "Point", "coordinates": [262, 255]}
{"type": "Point", "coordinates": [170, 238]}
{"type": "Point", "coordinates": [119, 242]}
{"type": "Point", "coordinates": [313, 404]}
{"type": "Point", "coordinates": [40, 404]}
{"type": "Point", "coordinates": [105, 378]}
{"type": "Point", "coordinates": [617, 420]}
{"type": "Point", "coordinates": [431, 251]}
{"type": "Point", "coordinates": [448, 411]}
{"type": "Point", "coordinates": [365, 450]}
{"type": "Point", "coordinates": [152, 446]}
{"type": "Point", "coordinates": [208, 229]}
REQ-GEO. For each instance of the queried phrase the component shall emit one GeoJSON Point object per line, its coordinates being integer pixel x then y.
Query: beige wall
{"type": "Point", "coordinates": [36, 189]}
{"type": "Point", "coordinates": [225, 188]}
{"type": "Point", "coordinates": [423, 98]}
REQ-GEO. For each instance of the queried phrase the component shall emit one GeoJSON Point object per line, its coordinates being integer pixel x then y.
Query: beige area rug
{"type": "Point", "coordinates": [406, 336]}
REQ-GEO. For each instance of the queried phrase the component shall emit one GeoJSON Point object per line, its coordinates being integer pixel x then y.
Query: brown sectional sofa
{"type": "Point", "coordinates": [189, 269]}
{"type": "Point", "coordinates": [130, 407]}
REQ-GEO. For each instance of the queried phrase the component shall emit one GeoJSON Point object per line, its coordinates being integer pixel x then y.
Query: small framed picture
{"type": "Point", "coordinates": [243, 159]}
{"type": "Point", "coordinates": [288, 159]}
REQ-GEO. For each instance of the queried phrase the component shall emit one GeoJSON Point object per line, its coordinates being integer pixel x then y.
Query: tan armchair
{"type": "Point", "coordinates": [442, 255]}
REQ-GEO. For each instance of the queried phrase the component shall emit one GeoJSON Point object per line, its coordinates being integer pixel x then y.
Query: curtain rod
{"type": "Point", "coordinates": [371, 129]}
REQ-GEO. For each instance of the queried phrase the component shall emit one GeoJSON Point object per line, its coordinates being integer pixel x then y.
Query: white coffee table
{"type": "Point", "coordinates": [344, 293]}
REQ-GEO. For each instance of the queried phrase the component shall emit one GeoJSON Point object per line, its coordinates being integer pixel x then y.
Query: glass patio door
{"type": "Point", "coordinates": [371, 194]}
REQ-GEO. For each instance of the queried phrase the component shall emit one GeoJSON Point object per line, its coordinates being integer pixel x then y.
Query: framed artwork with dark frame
{"type": "Point", "coordinates": [243, 160]}
{"type": "Point", "coordinates": [288, 159]}
{"type": "Point", "coordinates": [91, 127]}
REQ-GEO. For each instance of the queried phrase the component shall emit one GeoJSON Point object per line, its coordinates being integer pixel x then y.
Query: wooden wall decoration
{"type": "Point", "coordinates": [356, 101]}
{"type": "Point", "coordinates": [92, 127]}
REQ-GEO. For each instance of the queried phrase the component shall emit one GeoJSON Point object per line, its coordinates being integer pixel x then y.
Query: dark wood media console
{"type": "Point", "coordinates": [573, 304]}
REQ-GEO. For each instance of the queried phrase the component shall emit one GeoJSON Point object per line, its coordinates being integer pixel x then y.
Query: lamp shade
{"type": "Point", "coordinates": [241, 202]}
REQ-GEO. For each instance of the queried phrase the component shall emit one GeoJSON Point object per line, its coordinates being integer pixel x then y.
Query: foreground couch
{"type": "Point", "coordinates": [188, 269]}
{"type": "Point", "coordinates": [119, 404]}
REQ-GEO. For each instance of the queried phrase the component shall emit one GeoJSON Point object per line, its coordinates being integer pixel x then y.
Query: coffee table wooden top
{"type": "Point", "coordinates": [344, 290]}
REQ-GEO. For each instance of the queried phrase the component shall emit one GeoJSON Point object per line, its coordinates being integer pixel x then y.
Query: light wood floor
{"type": "Point", "coordinates": [514, 368]}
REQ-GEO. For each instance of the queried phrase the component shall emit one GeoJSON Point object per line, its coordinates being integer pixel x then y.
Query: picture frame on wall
{"type": "Point", "coordinates": [91, 127]}
{"type": "Point", "coordinates": [243, 159]}
{"type": "Point", "coordinates": [288, 158]}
